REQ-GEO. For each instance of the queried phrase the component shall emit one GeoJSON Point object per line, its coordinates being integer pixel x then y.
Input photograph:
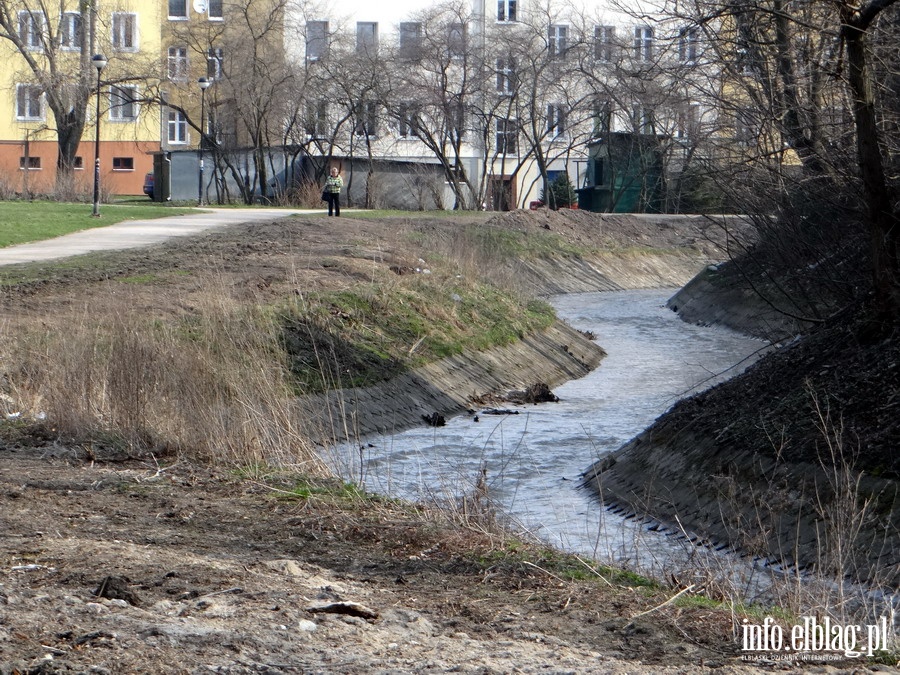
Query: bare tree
{"type": "Point", "coordinates": [804, 85]}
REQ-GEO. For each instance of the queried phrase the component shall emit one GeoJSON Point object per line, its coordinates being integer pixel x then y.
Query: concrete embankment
{"type": "Point", "coordinates": [447, 387]}
{"type": "Point", "coordinates": [560, 353]}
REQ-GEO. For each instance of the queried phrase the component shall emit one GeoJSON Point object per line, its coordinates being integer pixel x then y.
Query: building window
{"type": "Point", "coordinates": [688, 39]}
{"type": "Point", "coordinates": [31, 29]}
{"type": "Point", "coordinates": [123, 103]}
{"type": "Point", "coordinates": [643, 43]}
{"type": "Point", "coordinates": [215, 58]}
{"type": "Point", "coordinates": [316, 40]}
{"type": "Point", "coordinates": [408, 119]}
{"type": "Point", "coordinates": [556, 41]}
{"type": "Point", "coordinates": [124, 32]}
{"type": "Point", "coordinates": [215, 10]}
{"type": "Point", "coordinates": [78, 164]}
{"type": "Point", "coordinates": [214, 134]}
{"type": "Point", "coordinates": [30, 163]}
{"type": "Point", "coordinates": [70, 31]}
{"type": "Point", "coordinates": [688, 122]}
{"type": "Point", "coordinates": [411, 40]}
{"type": "Point", "coordinates": [604, 43]}
{"type": "Point", "coordinates": [366, 119]}
{"type": "Point", "coordinates": [29, 102]}
{"type": "Point", "coordinates": [123, 163]}
{"type": "Point", "coordinates": [602, 114]}
{"type": "Point", "coordinates": [506, 76]}
{"type": "Point", "coordinates": [506, 10]}
{"type": "Point", "coordinates": [507, 132]}
{"type": "Point", "coordinates": [366, 37]}
{"type": "Point", "coordinates": [456, 40]}
{"type": "Point", "coordinates": [642, 119]}
{"type": "Point", "coordinates": [178, 64]}
{"type": "Point", "coordinates": [178, 9]}
{"type": "Point", "coordinates": [556, 119]}
{"type": "Point", "coordinates": [316, 122]}
{"type": "Point", "coordinates": [177, 128]}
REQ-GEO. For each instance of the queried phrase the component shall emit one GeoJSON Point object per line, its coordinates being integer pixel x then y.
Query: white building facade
{"type": "Point", "coordinates": [486, 103]}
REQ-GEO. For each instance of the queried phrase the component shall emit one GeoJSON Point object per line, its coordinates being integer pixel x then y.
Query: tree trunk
{"type": "Point", "coordinates": [884, 226]}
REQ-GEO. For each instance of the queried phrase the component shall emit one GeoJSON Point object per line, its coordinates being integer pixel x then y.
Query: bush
{"type": "Point", "coordinates": [562, 192]}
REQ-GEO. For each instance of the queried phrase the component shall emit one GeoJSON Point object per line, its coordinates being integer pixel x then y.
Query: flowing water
{"type": "Point", "coordinates": [532, 461]}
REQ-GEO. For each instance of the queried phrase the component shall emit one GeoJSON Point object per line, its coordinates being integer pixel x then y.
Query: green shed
{"type": "Point", "coordinates": [624, 174]}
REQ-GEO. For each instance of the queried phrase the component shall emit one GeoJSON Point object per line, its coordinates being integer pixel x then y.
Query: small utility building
{"type": "Point", "coordinates": [624, 174]}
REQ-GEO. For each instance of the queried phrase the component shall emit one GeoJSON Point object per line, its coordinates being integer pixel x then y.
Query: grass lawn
{"type": "Point", "coordinates": [21, 222]}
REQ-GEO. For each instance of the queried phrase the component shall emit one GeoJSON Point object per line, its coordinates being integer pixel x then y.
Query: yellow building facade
{"type": "Point", "coordinates": [43, 50]}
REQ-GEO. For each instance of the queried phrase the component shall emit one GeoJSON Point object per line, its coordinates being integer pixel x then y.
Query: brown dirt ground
{"type": "Point", "coordinates": [211, 572]}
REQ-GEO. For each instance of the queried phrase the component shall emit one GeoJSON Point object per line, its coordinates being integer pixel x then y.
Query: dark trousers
{"type": "Point", "coordinates": [334, 203]}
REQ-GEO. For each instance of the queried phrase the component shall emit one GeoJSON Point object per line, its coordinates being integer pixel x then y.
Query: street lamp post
{"type": "Point", "coordinates": [204, 85]}
{"type": "Point", "coordinates": [99, 62]}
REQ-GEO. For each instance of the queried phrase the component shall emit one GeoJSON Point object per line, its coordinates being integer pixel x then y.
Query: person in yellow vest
{"type": "Point", "coordinates": [333, 186]}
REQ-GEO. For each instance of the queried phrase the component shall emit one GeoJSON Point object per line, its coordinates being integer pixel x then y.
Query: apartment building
{"type": "Point", "coordinates": [504, 96]}
{"type": "Point", "coordinates": [49, 101]}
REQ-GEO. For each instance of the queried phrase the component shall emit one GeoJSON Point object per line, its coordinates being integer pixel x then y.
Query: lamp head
{"type": "Point", "coordinates": [204, 83]}
{"type": "Point", "coordinates": [99, 61]}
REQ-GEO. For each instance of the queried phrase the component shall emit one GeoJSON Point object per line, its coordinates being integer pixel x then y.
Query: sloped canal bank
{"type": "Point", "coordinates": [528, 463]}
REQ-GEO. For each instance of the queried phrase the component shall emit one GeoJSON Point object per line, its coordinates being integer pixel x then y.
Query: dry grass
{"type": "Point", "coordinates": [210, 386]}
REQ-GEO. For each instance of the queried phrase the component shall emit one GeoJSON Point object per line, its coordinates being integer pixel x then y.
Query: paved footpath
{"type": "Point", "coordinates": [136, 233]}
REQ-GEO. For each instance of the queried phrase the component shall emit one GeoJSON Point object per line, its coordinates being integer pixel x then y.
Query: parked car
{"type": "Point", "coordinates": [148, 185]}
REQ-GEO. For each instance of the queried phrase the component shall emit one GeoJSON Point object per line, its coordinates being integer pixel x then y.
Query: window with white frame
{"type": "Point", "coordinates": [215, 10]}
{"type": "Point", "coordinates": [411, 40]}
{"type": "Point", "coordinates": [316, 40]}
{"type": "Point", "coordinates": [366, 37]}
{"type": "Point", "coordinates": [604, 43]}
{"type": "Point", "coordinates": [30, 163]}
{"type": "Point", "coordinates": [688, 40]}
{"type": "Point", "coordinates": [124, 31]}
{"type": "Point", "coordinates": [642, 119]}
{"type": "Point", "coordinates": [643, 43]}
{"type": "Point", "coordinates": [316, 122]}
{"type": "Point", "coordinates": [29, 102]}
{"type": "Point", "coordinates": [556, 119]}
{"type": "Point", "coordinates": [506, 10]}
{"type": "Point", "coordinates": [123, 103]}
{"type": "Point", "coordinates": [408, 119]}
{"type": "Point", "coordinates": [220, 129]}
{"type": "Point", "coordinates": [178, 10]}
{"type": "Point", "coordinates": [602, 117]}
{"type": "Point", "coordinates": [506, 76]}
{"type": "Point", "coordinates": [177, 65]}
{"type": "Point", "coordinates": [557, 39]}
{"type": "Point", "coordinates": [366, 123]}
{"type": "Point", "coordinates": [215, 59]}
{"type": "Point", "coordinates": [31, 29]}
{"type": "Point", "coordinates": [456, 40]}
{"type": "Point", "coordinates": [178, 128]}
{"type": "Point", "coordinates": [507, 133]}
{"type": "Point", "coordinates": [70, 31]}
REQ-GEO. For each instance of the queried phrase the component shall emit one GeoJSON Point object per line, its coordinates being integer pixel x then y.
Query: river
{"type": "Point", "coordinates": [532, 461]}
